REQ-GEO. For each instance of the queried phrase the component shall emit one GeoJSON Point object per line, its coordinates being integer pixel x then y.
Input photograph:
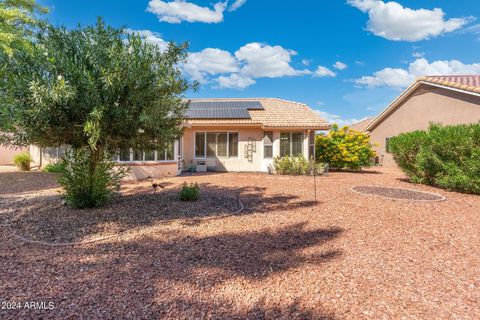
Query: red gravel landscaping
{"type": "Point", "coordinates": [349, 256]}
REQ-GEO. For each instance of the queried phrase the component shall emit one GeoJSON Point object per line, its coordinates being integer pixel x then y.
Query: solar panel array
{"type": "Point", "coordinates": [222, 109]}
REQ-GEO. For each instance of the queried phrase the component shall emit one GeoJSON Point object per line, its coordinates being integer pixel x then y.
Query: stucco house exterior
{"type": "Point", "coordinates": [224, 135]}
{"type": "Point", "coordinates": [447, 100]}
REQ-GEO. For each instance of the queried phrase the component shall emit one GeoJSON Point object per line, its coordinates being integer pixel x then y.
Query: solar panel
{"type": "Point", "coordinates": [222, 109]}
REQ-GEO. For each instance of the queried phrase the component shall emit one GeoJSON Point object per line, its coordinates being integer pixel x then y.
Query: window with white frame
{"type": "Point", "coordinates": [311, 144]}
{"type": "Point", "coordinates": [141, 155]}
{"type": "Point", "coordinates": [267, 144]}
{"type": "Point", "coordinates": [216, 144]}
{"type": "Point", "coordinates": [291, 144]}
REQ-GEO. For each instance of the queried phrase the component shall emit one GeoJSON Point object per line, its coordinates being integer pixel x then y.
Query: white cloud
{"type": "Point", "coordinates": [209, 61]}
{"type": "Point", "coordinates": [394, 22]}
{"type": "Point", "coordinates": [306, 62]}
{"type": "Point", "coordinates": [324, 72]}
{"type": "Point", "coordinates": [335, 118]}
{"type": "Point", "coordinates": [475, 29]}
{"type": "Point", "coordinates": [401, 78]}
{"type": "Point", "coordinates": [150, 37]}
{"type": "Point", "coordinates": [418, 54]}
{"type": "Point", "coordinates": [261, 60]}
{"type": "Point", "coordinates": [179, 10]}
{"type": "Point", "coordinates": [340, 65]}
{"type": "Point", "coordinates": [235, 81]}
{"type": "Point", "coordinates": [236, 4]}
{"type": "Point", "coordinates": [360, 63]}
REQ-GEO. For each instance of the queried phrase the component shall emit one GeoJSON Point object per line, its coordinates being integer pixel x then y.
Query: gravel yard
{"type": "Point", "coordinates": [349, 256]}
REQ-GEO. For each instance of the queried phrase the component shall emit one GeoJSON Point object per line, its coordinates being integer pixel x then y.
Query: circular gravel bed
{"type": "Point", "coordinates": [398, 193]}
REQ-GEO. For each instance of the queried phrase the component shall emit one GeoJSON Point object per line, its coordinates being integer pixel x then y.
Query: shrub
{"type": "Point", "coordinates": [448, 157]}
{"type": "Point", "coordinates": [57, 167]}
{"type": "Point", "coordinates": [291, 165]}
{"type": "Point", "coordinates": [87, 183]}
{"type": "Point", "coordinates": [344, 148]}
{"type": "Point", "coordinates": [190, 192]}
{"type": "Point", "coordinates": [22, 161]}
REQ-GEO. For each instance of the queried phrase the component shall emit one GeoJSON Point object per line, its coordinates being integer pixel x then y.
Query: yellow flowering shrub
{"type": "Point", "coordinates": [344, 148]}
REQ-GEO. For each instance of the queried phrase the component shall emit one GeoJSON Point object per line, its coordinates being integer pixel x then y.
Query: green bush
{"type": "Point", "coordinates": [190, 192]}
{"type": "Point", "coordinates": [344, 148]}
{"type": "Point", "coordinates": [57, 167]}
{"type": "Point", "coordinates": [89, 184]}
{"type": "Point", "coordinates": [448, 157]}
{"type": "Point", "coordinates": [292, 165]}
{"type": "Point", "coordinates": [22, 161]}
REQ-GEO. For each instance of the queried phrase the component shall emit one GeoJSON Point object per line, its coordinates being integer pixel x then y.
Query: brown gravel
{"type": "Point", "coordinates": [398, 193]}
{"type": "Point", "coordinates": [347, 257]}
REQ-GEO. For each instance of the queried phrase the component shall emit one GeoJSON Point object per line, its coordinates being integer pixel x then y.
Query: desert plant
{"type": "Point", "coordinates": [89, 185]}
{"type": "Point", "coordinates": [56, 167]}
{"type": "Point", "coordinates": [447, 157]}
{"type": "Point", "coordinates": [190, 192]}
{"type": "Point", "coordinates": [291, 165]}
{"type": "Point", "coordinates": [344, 148]}
{"type": "Point", "coordinates": [22, 161]}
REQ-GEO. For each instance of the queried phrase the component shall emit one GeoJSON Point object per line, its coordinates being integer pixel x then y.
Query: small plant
{"type": "Point", "coordinates": [89, 184]}
{"type": "Point", "coordinates": [291, 165]}
{"type": "Point", "coordinates": [190, 192]}
{"type": "Point", "coordinates": [57, 167]}
{"type": "Point", "coordinates": [22, 161]}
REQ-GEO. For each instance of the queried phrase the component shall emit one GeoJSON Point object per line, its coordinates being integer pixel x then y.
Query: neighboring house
{"type": "Point", "coordinates": [361, 125]}
{"type": "Point", "coordinates": [225, 135]}
{"type": "Point", "coordinates": [447, 100]}
{"type": "Point", "coordinates": [7, 153]}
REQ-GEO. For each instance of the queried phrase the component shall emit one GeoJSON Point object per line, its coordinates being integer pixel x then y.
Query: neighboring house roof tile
{"type": "Point", "coordinates": [276, 113]}
{"type": "Point", "coordinates": [468, 84]}
{"type": "Point", "coordinates": [464, 82]}
{"type": "Point", "coordinates": [361, 125]}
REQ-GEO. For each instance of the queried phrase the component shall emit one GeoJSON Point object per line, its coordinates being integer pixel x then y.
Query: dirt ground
{"type": "Point", "coordinates": [347, 256]}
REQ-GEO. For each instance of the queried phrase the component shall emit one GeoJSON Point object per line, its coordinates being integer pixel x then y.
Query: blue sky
{"type": "Point", "coordinates": [345, 58]}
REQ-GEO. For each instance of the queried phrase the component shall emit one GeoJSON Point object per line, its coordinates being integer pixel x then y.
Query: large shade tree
{"type": "Point", "coordinates": [94, 89]}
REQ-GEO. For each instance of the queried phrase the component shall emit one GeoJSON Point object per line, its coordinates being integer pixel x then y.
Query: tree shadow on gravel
{"type": "Point", "coordinates": [177, 275]}
{"type": "Point", "coordinates": [44, 217]}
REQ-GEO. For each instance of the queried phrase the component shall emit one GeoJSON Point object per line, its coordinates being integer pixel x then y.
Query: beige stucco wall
{"type": "Point", "coordinates": [427, 104]}
{"type": "Point", "coordinates": [239, 163]}
{"type": "Point", "coordinates": [7, 153]}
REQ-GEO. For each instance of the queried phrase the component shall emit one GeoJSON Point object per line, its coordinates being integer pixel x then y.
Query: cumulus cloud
{"type": "Point", "coordinates": [235, 81]}
{"type": "Point", "coordinates": [150, 37]}
{"type": "Point", "coordinates": [340, 65]}
{"type": "Point", "coordinates": [209, 61]}
{"type": "Point", "coordinates": [238, 70]}
{"type": "Point", "coordinates": [392, 21]}
{"type": "Point", "coordinates": [401, 78]}
{"type": "Point", "coordinates": [236, 4]}
{"type": "Point", "coordinates": [263, 61]}
{"type": "Point", "coordinates": [180, 10]}
{"type": "Point", "coordinates": [324, 72]}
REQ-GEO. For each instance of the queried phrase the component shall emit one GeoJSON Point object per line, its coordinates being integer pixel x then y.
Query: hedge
{"type": "Point", "coordinates": [444, 156]}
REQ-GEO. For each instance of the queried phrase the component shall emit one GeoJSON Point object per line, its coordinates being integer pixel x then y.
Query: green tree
{"type": "Point", "coordinates": [95, 89]}
{"type": "Point", "coordinates": [18, 20]}
{"type": "Point", "coordinates": [344, 148]}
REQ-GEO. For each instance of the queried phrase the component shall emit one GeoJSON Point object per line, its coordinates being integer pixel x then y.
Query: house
{"type": "Point", "coordinates": [7, 153]}
{"type": "Point", "coordinates": [361, 125]}
{"type": "Point", "coordinates": [447, 100]}
{"type": "Point", "coordinates": [225, 135]}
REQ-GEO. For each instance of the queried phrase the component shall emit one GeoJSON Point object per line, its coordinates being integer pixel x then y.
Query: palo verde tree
{"type": "Point", "coordinates": [94, 89]}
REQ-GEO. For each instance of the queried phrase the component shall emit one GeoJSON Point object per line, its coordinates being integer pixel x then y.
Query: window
{"type": "Point", "coordinates": [216, 144]}
{"type": "Point", "coordinates": [133, 154]}
{"type": "Point", "coordinates": [291, 144]}
{"type": "Point", "coordinates": [200, 145]}
{"type": "Point", "coordinates": [311, 144]}
{"type": "Point", "coordinates": [268, 144]}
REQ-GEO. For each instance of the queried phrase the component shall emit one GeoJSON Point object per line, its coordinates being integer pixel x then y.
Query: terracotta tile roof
{"type": "Point", "coordinates": [463, 82]}
{"type": "Point", "coordinates": [276, 113]}
{"type": "Point", "coordinates": [360, 126]}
